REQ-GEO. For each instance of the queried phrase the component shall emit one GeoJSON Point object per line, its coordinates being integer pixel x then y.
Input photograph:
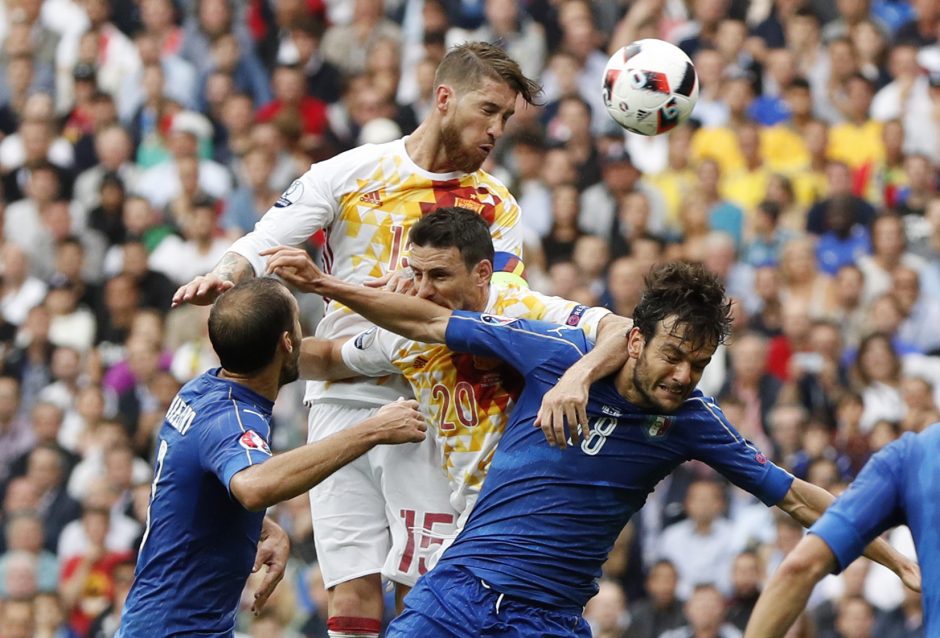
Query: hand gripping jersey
{"type": "Point", "coordinates": [546, 517]}
{"type": "Point", "coordinates": [200, 543]}
{"type": "Point", "coordinates": [467, 398]}
{"type": "Point", "coordinates": [367, 199]}
{"type": "Point", "coordinates": [898, 486]}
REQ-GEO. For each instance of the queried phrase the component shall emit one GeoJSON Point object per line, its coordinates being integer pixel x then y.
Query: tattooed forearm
{"type": "Point", "coordinates": [233, 267]}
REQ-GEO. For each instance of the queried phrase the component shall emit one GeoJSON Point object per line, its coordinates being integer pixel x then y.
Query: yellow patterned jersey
{"type": "Point", "coordinates": [367, 199]}
{"type": "Point", "coordinates": [466, 399]}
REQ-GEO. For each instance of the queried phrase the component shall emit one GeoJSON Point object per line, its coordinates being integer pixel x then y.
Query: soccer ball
{"type": "Point", "coordinates": [650, 86]}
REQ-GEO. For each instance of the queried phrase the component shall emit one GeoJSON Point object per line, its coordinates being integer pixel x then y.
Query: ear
{"type": "Point", "coordinates": [443, 97]}
{"type": "Point", "coordinates": [287, 342]}
{"type": "Point", "coordinates": [635, 343]}
{"type": "Point", "coordinates": [483, 271]}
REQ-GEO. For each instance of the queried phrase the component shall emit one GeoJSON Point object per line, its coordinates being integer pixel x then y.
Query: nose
{"type": "Point", "coordinates": [496, 127]}
{"type": "Point", "coordinates": [425, 289]}
{"type": "Point", "coordinates": [682, 374]}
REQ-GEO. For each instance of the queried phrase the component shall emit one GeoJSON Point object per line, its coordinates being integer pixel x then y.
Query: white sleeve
{"type": "Point", "coordinates": [308, 205]}
{"type": "Point", "coordinates": [371, 353]}
{"type": "Point", "coordinates": [570, 313]}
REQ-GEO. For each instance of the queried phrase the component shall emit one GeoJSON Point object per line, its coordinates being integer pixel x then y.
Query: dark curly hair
{"type": "Point", "coordinates": [693, 295]}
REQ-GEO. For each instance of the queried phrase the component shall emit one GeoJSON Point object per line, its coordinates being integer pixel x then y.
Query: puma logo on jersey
{"type": "Point", "coordinates": [373, 198]}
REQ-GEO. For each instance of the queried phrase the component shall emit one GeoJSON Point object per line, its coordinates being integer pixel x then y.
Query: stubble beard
{"type": "Point", "coordinates": [640, 382]}
{"type": "Point", "coordinates": [462, 159]}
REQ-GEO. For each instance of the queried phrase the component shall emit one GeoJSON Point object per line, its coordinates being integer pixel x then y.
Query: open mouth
{"type": "Point", "coordinates": [486, 148]}
{"type": "Point", "coordinates": [675, 392]}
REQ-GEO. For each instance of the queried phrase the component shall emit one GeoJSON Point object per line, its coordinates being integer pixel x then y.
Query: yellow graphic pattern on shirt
{"type": "Point", "coordinates": [467, 398]}
{"type": "Point", "coordinates": [376, 216]}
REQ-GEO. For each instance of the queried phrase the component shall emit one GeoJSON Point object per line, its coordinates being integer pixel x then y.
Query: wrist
{"type": "Point", "coordinates": [371, 431]}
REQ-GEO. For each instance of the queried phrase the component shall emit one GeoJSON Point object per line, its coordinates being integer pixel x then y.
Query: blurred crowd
{"type": "Point", "coordinates": [138, 138]}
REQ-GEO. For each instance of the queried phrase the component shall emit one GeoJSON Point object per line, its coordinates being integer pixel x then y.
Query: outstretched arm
{"type": "Point", "coordinates": [789, 588]}
{"type": "Point", "coordinates": [292, 473]}
{"type": "Point", "coordinates": [806, 502]}
{"type": "Point", "coordinates": [566, 403]}
{"type": "Point", "coordinates": [411, 317]}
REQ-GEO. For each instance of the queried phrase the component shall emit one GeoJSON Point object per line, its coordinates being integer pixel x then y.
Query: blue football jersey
{"type": "Point", "coordinates": [899, 485]}
{"type": "Point", "coordinates": [547, 518]}
{"type": "Point", "coordinates": [200, 543]}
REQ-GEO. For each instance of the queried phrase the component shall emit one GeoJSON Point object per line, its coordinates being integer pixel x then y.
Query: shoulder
{"type": "Point", "coordinates": [495, 185]}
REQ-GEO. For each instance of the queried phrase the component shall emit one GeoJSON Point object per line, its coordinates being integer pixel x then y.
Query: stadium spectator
{"type": "Point", "coordinates": [698, 546]}
{"type": "Point", "coordinates": [776, 96]}
{"type": "Point", "coordinates": [705, 612]}
{"type": "Point", "coordinates": [607, 612]}
{"type": "Point", "coordinates": [747, 577]}
{"type": "Point", "coordinates": [661, 610]}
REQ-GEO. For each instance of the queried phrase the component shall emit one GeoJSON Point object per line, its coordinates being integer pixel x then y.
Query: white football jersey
{"type": "Point", "coordinates": [367, 199]}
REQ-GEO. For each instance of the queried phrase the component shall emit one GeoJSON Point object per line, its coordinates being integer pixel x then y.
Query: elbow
{"type": "Point", "coordinates": [807, 564]}
{"type": "Point", "coordinates": [249, 492]}
{"type": "Point", "coordinates": [254, 504]}
{"type": "Point", "coordinates": [433, 331]}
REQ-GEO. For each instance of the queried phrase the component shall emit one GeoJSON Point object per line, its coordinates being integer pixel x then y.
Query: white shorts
{"type": "Point", "coordinates": [386, 512]}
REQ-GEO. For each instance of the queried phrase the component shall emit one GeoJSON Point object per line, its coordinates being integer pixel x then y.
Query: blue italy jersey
{"type": "Point", "coordinates": [898, 486]}
{"type": "Point", "coordinates": [200, 543]}
{"type": "Point", "coordinates": [547, 518]}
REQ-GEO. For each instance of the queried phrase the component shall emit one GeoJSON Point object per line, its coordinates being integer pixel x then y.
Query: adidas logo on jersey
{"type": "Point", "coordinates": [373, 198]}
{"type": "Point", "coordinates": [419, 363]}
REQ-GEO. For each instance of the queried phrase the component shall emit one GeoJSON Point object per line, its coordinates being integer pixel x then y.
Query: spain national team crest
{"type": "Point", "coordinates": [659, 425]}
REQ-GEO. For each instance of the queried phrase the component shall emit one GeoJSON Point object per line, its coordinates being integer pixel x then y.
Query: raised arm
{"type": "Point", "coordinates": [805, 502]}
{"type": "Point", "coordinates": [411, 317]}
{"type": "Point", "coordinates": [205, 289]}
{"type": "Point", "coordinates": [566, 403]}
{"type": "Point", "coordinates": [292, 473]}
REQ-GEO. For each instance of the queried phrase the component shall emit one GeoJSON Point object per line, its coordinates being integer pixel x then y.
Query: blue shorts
{"type": "Point", "coordinates": [450, 602]}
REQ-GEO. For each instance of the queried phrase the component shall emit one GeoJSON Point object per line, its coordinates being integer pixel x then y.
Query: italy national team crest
{"type": "Point", "coordinates": [658, 426]}
{"type": "Point", "coordinates": [251, 440]}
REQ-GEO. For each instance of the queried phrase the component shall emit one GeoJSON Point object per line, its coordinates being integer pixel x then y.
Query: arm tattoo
{"type": "Point", "coordinates": [233, 267]}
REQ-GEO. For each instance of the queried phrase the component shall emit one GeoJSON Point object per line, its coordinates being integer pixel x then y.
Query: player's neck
{"type": "Point", "coordinates": [623, 382]}
{"type": "Point", "coordinates": [425, 149]}
{"type": "Point", "coordinates": [265, 383]}
{"type": "Point", "coordinates": [480, 300]}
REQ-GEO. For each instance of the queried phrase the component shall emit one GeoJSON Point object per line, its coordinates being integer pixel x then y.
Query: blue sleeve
{"type": "Point", "coordinates": [237, 440]}
{"type": "Point", "coordinates": [720, 445]}
{"type": "Point", "coordinates": [870, 505]}
{"type": "Point", "coordinates": [522, 343]}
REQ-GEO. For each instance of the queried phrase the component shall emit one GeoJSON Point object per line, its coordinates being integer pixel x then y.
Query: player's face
{"type": "Point", "coordinates": [474, 121]}
{"type": "Point", "coordinates": [667, 368]}
{"type": "Point", "coordinates": [442, 277]}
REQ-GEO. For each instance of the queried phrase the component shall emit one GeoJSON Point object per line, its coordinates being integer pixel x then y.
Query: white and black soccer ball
{"type": "Point", "coordinates": [650, 86]}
